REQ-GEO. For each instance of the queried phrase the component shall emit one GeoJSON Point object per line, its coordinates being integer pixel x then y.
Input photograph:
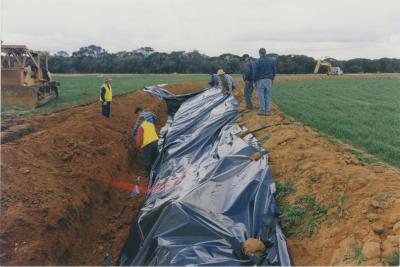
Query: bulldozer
{"type": "Point", "coordinates": [25, 77]}
{"type": "Point", "coordinates": [331, 70]}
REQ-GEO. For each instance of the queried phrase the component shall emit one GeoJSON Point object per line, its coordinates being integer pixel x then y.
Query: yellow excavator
{"type": "Point", "coordinates": [331, 70]}
{"type": "Point", "coordinates": [25, 78]}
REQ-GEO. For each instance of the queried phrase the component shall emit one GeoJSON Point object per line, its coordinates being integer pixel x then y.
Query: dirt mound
{"type": "Point", "coordinates": [362, 219]}
{"type": "Point", "coordinates": [185, 88]}
{"type": "Point", "coordinates": [65, 184]}
{"type": "Point", "coordinates": [13, 127]}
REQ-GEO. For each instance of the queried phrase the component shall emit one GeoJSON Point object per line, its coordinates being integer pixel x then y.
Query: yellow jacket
{"type": "Point", "coordinates": [146, 134]}
{"type": "Point", "coordinates": [108, 92]}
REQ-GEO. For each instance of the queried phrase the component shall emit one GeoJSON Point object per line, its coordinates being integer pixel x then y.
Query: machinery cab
{"type": "Point", "coordinates": [336, 71]}
{"type": "Point", "coordinates": [25, 78]}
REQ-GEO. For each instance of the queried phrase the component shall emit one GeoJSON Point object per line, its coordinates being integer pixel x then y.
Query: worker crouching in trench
{"type": "Point", "coordinates": [146, 138]}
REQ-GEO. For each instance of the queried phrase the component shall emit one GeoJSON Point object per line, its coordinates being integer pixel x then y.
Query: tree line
{"type": "Point", "coordinates": [94, 59]}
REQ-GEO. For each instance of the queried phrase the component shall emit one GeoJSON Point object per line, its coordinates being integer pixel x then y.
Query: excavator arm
{"type": "Point", "coordinates": [316, 69]}
{"type": "Point", "coordinates": [323, 63]}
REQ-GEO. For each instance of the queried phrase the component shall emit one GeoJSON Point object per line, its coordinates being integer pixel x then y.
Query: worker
{"type": "Point", "coordinates": [213, 80]}
{"type": "Point", "coordinates": [226, 82]}
{"type": "Point", "coordinates": [142, 116]}
{"type": "Point", "coordinates": [248, 81]}
{"type": "Point", "coordinates": [264, 74]}
{"type": "Point", "coordinates": [146, 137]}
{"type": "Point", "coordinates": [106, 98]}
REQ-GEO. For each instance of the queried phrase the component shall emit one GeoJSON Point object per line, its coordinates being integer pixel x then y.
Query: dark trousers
{"type": "Point", "coordinates": [106, 109]}
{"type": "Point", "coordinates": [248, 92]}
{"type": "Point", "coordinates": [150, 153]}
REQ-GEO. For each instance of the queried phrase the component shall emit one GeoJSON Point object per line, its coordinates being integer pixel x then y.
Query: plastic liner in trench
{"type": "Point", "coordinates": [206, 196]}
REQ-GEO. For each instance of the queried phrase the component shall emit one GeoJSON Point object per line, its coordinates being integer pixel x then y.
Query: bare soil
{"type": "Point", "coordinates": [65, 183]}
{"type": "Point", "coordinates": [58, 206]}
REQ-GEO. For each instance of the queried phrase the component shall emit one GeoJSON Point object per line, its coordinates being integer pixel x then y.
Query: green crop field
{"type": "Point", "coordinates": [363, 113]}
{"type": "Point", "coordinates": [80, 89]}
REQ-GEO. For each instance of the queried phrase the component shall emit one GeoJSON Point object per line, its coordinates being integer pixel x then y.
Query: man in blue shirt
{"type": "Point", "coordinates": [214, 80]}
{"type": "Point", "coordinates": [248, 81]}
{"type": "Point", "coordinates": [264, 75]}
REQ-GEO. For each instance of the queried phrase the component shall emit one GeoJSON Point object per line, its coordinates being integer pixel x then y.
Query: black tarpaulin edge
{"type": "Point", "coordinates": [206, 197]}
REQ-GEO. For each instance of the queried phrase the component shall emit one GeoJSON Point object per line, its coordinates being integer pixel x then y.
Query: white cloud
{"type": "Point", "coordinates": [341, 28]}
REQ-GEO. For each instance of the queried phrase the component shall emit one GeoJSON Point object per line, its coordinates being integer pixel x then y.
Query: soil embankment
{"type": "Point", "coordinates": [65, 183]}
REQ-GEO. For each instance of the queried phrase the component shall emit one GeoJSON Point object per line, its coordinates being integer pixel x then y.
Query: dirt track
{"type": "Point", "coordinates": [57, 208]}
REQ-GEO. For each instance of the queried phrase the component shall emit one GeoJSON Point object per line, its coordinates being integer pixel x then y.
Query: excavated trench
{"type": "Point", "coordinates": [66, 183]}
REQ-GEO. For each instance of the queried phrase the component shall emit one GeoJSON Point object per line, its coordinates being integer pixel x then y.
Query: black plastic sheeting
{"type": "Point", "coordinates": [173, 101]}
{"type": "Point", "coordinates": [206, 197]}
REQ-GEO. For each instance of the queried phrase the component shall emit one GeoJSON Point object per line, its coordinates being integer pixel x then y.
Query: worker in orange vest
{"type": "Point", "coordinates": [146, 139]}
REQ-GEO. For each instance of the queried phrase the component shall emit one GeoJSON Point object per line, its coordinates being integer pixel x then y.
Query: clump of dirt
{"type": "Point", "coordinates": [59, 201]}
{"type": "Point", "coordinates": [361, 224]}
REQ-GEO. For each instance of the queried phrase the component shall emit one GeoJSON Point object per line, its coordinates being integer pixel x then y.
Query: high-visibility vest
{"type": "Point", "coordinates": [149, 133]}
{"type": "Point", "coordinates": [108, 93]}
